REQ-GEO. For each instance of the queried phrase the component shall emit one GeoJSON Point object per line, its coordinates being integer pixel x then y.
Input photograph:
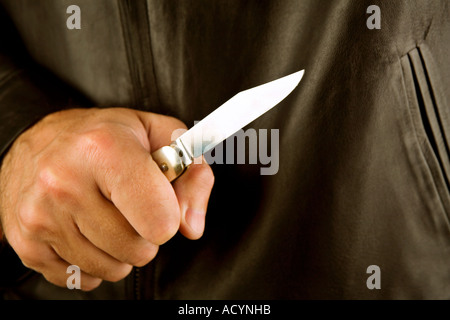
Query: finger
{"type": "Point", "coordinates": [193, 189]}
{"type": "Point", "coordinates": [105, 226]}
{"type": "Point", "coordinates": [43, 259]}
{"type": "Point", "coordinates": [57, 272]}
{"type": "Point", "coordinates": [73, 247]}
{"type": "Point", "coordinates": [127, 176]}
{"type": "Point", "coordinates": [28, 236]}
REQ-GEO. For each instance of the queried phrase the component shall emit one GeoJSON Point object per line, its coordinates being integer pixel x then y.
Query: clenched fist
{"type": "Point", "coordinates": [80, 187]}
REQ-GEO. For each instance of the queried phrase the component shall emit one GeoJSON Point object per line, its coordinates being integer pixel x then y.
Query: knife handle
{"type": "Point", "coordinates": [170, 161]}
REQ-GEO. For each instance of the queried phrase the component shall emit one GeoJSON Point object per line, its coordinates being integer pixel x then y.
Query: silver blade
{"type": "Point", "coordinates": [236, 113]}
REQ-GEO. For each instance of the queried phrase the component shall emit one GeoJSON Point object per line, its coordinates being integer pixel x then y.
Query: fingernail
{"type": "Point", "coordinates": [196, 220]}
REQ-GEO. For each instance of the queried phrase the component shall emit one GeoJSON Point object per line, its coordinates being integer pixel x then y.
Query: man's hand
{"type": "Point", "coordinates": [80, 187]}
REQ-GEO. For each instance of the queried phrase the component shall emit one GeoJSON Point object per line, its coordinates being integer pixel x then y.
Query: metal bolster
{"type": "Point", "coordinates": [172, 160]}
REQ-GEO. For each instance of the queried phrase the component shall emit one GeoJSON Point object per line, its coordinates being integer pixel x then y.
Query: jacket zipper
{"type": "Point", "coordinates": [136, 283]}
{"type": "Point", "coordinates": [136, 34]}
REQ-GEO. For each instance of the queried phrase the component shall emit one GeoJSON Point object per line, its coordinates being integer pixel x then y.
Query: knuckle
{"type": "Point", "coordinates": [28, 251]}
{"type": "Point", "coordinates": [97, 141]}
{"type": "Point", "coordinates": [50, 180]}
{"type": "Point", "coordinates": [89, 284]}
{"type": "Point", "coordinates": [144, 255]}
{"type": "Point", "coordinates": [30, 259]}
{"type": "Point", "coordinates": [31, 220]}
{"type": "Point", "coordinates": [118, 273]}
{"type": "Point", "coordinates": [27, 262]}
{"type": "Point", "coordinates": [165, 229]}
{"type": "Point", "coordinates": [55, 279]}
{"type": "Point", "coordinates": [206, 177]}
{"type": "Point", "coordinates": [178, 123]}
{"type": "Point", "coordinates": [202, 177]}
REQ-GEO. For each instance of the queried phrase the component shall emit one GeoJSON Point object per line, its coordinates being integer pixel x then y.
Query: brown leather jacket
{"type": "Point", "coordinates": [364, 142]}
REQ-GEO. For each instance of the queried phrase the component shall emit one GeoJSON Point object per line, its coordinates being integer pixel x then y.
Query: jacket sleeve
{"type": "Point", "coordinates": [27, 92]}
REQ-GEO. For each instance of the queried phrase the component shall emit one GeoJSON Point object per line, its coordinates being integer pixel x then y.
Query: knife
{"type": "Point", "coordinates": [223, 122]}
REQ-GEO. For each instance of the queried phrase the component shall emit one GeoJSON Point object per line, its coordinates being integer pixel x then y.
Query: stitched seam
{"type": "Point", "coordinates": [423, 152]}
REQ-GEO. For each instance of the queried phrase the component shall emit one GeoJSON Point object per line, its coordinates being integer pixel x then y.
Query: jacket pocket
{"type": "Point", "coordinates": [430, 117]}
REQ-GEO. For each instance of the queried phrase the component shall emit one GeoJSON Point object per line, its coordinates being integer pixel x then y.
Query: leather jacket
{"type": "Point", "coordinates": [364, 141]}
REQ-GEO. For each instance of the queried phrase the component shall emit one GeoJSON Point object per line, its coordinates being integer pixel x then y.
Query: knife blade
{"type": "Point", "coordinates": [223, 122]}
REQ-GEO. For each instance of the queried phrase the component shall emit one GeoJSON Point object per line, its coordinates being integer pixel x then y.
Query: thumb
{"type": "Point", "coordinates": [194, 186]}
{"type": "Point", "coordinates": [160, 129]}
{"type": "Point", "coordinates": [193, 189]}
